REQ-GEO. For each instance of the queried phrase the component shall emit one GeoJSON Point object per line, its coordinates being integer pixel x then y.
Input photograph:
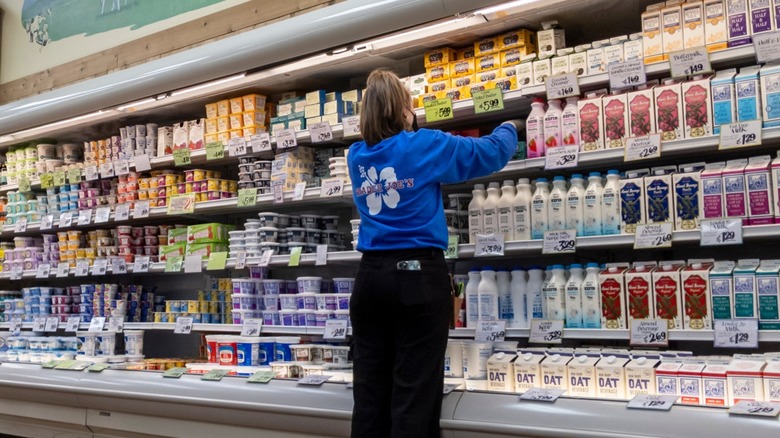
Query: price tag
{"type": "Point", "coordinates": [141, 209]}
{"type": "Point", "coordinates": [58, 178]}
{"type": "Point", "coordinates": [251, 327]}
{"type": "Point", "coordinates": [689, 62]}
{"type": "Point", "coordinates": [107, 170]}
{"type": "Point", "coordinates": [626, 74]}
{"type": "Point", "coordinates": [50, 364]}
{"type": "Point", "coordinates": [175, 373]}
{"type": "Point", "coordinates": [63, 269]}
{"type": "Point", "coordinates": [716, 232]}
{"type": "Point", "coordinates": [560, 242]}
{"type": "Point", "coordinates": [73, 323]}
{"type": "Point", "coordinates": [490, 331]}
{"type": "Point", "coordinates": [43, 270]}
{"type": "Point", "coordinates": [649, 332]}
{"type": "Point", "coordinates": [141, 264]}
{"type": "Point", "coordinates": [39, 324]}
{"type": "Point", "coordinates": [16, 326]}
{"type": "Point", "coordinates": [351, 126]}
{"type": "Point", "coordinates": [546, 331]}
{"type": "Point", "coordinates": [182, 204]}
{"type": "Point", "coordinates": [96, 324]}
{"type": "Point", "coordinates": [118, 266]}
{"type": "Point", "coordinates": [642, 148]}
{"type": "Point", "coordinates": [99, 267]}
{"type": "Point", "coordinates": [85, 217]}
{"type": "Point", "coordinates": [183, 325]}
{"type": "Point", "coordinates": [121, 167]}
{"type": "Point", "coordinates": [653, 236]}
{"type": "Point", "coordinates": [448, 388]}
{"type": "Point", "coordinates": [217, 261]}
{"type": "Point", "coordinates": [79, 366]}
{"type": "Point", "coordinates": [542, 394]}
{"type": "Point", "coordinates": [82, 268]}
{"type": "Point", "coordinates": [66, 219]}
{"type": "Point", "coordinates": [74, 176]}
{"type": "Point", "coordinates": [181, 157]}
{"type": "Point", "coordinates": [562, 157]}
{"type": "Point", "coordinates": [452, 248]}
{"type": "Point", "coordinates": [142, 163]}
{"type": "Point", "coordinates": [486, 101]}
{"type": "Point", "coordinates": [736, 333]}
{"type": "Point", "coordinates": [241, 260]}
{"type": "Point", "coordinates": [300, 189]}
{"type": "Point", "coordinates": [116, 324]}
{"type": "Point", "coordinates": [321, 258]}
{"type": "Point", "coordinates": [91, 173]}
{"type": "Point", "coordinates": [173, 263]}
{"type": "Point", "coordinates": [320, 132]}
{"type": "Point", "coordinates": [260, 142]}
{"type": "Point", "coordinates": [47, 181]}
{"type": "Point", "coordinates": [52, 324]}
{"type": "Point", "coordinates": [261, 377]}
{"type": "Point", "coordinates": [335, 329]}
{"type": "Point", "coordinates": [214, 375]}
{"type": "Point", "coordinates": [314, 380]}
{"type": "Point", "coordinates": [47, 222]}
{"type": "Point", "coordinates": [489, 245]}
{"type": "Point", "coordinates": [102, 215]}
{"type": "Point", "coordinates": [215, 150]}
{"type": "Point", "coordinates": [193, 264]}
{"type": "Point", "coordinates": [438, 109]}
{"type": "Point", "coordinates": [652, 402]}
{"type": "Point", "coordinates": [767, 47]}
{"type": "Point", "coordinates": [20, 226]}
{"type": "Point", "coordinates": [265, 259]}
{"type": "Point", "coordinates": [237, 146]}
{"type": "Point", "coordinates": [286, 139]}
{"type": "Point", "coordinates": [16, 273]}
{"type": "Point", "coordinates": [332, 187]}
{"type": "Point", "coordinates": [295, 256]}
{"type": "Point", "coordinates": [562, 86]}
{"type": "Point", "coordinates": [278, 189]}
{"type": "Point", "coordinates": [24, 184]}
{"type": "Point", "coordinates": [64, 364]}
{"type": "Point", "coordinates": [247, 197]}
{"type": "Point", "coordinates": [98, 367]}
{"type": "Point", "coordinates": [761, 409]}
{"type": "Point", "coordinates": [741, 134]}
{"type": "Point", "coordinates": [122, 212]}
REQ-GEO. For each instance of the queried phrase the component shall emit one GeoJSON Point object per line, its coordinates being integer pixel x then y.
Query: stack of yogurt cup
{"type": "Point", "coordinates": [254, 173]}
{"type": "Point", "coordinates": [280, 233]}
{"type": "Point", "coordinates": [338, 169]}
{"type": "Point", "coordinates": [355, 230]}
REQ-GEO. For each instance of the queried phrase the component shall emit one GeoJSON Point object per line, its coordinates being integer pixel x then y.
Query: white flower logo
{"type": "Point", "coordinates": [381, 193]}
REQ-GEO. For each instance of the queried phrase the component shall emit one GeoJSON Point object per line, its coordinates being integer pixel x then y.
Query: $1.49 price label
{"type": "Point", "coordinates": [486, 101]}
{"type": "Point", "coordinates": [438, 109]}
{"type": "Point", "coordinates": [690, 62]}
{"type": "Point", "coordinates": [562, 157]}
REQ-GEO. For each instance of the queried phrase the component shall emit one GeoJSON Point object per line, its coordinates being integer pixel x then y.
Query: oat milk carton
{"type": "Point", "coordinates": [667, 293]}
{"type": "Point", "coordinates": [639, 291]}
{"type": "Point", "coordinates": [759, 191]}
{"type": "Point", "coordinates": [689, 378]}
{"type": "Point", "coordinates": [697, 107]}
{"type": "Point", "coordinates": [632, 202]}
{"type": "Point", "coordinates": [669, 110]}
{"type": "Point", "coordinates": [771, 377]}
{"type": "Point", "coordinates": [715, 26]}
{"type": "Point", "coordinates": [723, 99]}
{"type": "Point", "coordinates": [744, 377]}
{"type": "Point", "coordinates": [671, 18]}
{"type": "Point", "coordinates": [500, 372]}
{"type": "Point", "coordinates": [712, 198]}
{"type": "Point", "coordinates": [693, 24]}
{"type": "Point", "coordinates": [652, 34]}
{"type": "Point", "coordinates": [722, 289]}
{"type": "Point", "coordinates": [746, 85]}
{"type": "Point", "coordinates": [745, 305]}
{"type": "Point", "coordinates": [582, 375]}
{"type": "Point", "coordinates": [641, 110]}
{"type": "Point", "coordinates": [613, 297]}
{"type": "Point", "coordinates": [591, 122]}
{"type": "Point", "coordinates": [615, 109]}
{"type": "Point", "coordinates": [555, 373]}
{"type": "Point", "coordinates": [739, 22]}
{"type": "Point", "coordinates": [666, 378]}
{"type": "Point", "coordinates": [734, 188]}
{"type": "Point", "coordinates": [687, 199]}
{"type": "Point", "coordinates": [527, 370]}
{"type": "Point", "coordinates": [768, 285]}
{"type": "Point", "coordinates": [640, 376]}
{"type": "Point", "coordinates": [762, 17]}
{"type": "Point", "coordinates": [697, 298]}
{"type": "Point", "coordinates": [611, 377]}
{"type": "Point", "coordinates": [714, 383]}
{"type": "Point", "coordinates": [658, 190]}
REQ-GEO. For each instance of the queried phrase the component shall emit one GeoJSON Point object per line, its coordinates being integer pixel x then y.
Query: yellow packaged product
{"type": "Point", "coordinates": [236, 133]}
{"type": "Point", "coordinates": [210, 138]}
{"type": "Point", "coordinates": [253, 102]}
{"type": "Point", "coordinates": [486, 46]}
{"type": "Point", "coordinates": [487, 62]}
{"type": "Point", "coordinates": [512, 57]}
{"type": "Point", "coordinates": [463, 67]}
{"type": "Point", "coordinates": [478, 86]}
{"type": "Point", "coordinates": [437, 73]}
{"type": "Point", "coordinates": [439, 86]}
{"type": "Point", "coordinates": [465, 53]}
{"type": "Point", "coordinates": [425, 98]}
{"type": "Point", "coordinates": [223, 123]}
{"type": "Point", "coordinates": [507, 72]}
{"type": "Point", "coordinates": [506, 83]}
{"type": "Point", "coordinates": [211, 126]}
{"type": "Point", "coordinates": [453, 94]}
{"type": "Point", "coordinates": [490, 75]}
{"type": "Point", "coordinates": [236, 105]}
{"type": "Point", "coordinates": [463, 81]}
{"type": "Point", "coordinates": [440, 56]}
{"type": "Point", "coordinates": [223, 108]}
{"type": "Point", "coordinates": [516, 38]}
{"type": "Point", "coordinates": [236, 121]}
{"type": "Point", "coordinates": [211, 110]}
{"type": "Point", "coordinates": [252, 130]}
{"type": "Point", "coordinates": [254, 118]}
{"type": "Point", "coordinates": [223, 136]}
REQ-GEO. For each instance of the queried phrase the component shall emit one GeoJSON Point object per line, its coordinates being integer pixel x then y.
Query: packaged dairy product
{"type": "Point", "coordinates": [669, 110]}
{"type": "Point", "coordinates": [476, 221]}
{"type": "Point", "coordinates": [556, 207]}
{"type": "Point", "coordinates": [696, 296]}
{"type": "Point", "coordinates": [745, 380]}
{"type": "Point", "coordinates": [542, 68]}
{"type": "Point", "coordinates": [640, 376]}
{"type": "Point", "coordinates": [771, 378]}
{"type": "Point", "coordinates": [768, 294]}
{"type": "Point", "coordinates": [714, 384]}
{"type": "Point", "coordinates": [539, 209]}
{"type": "Point", "coordinates": [745, 305]}
{"type": "Point", "coordinates": [693, 24]}
{"type": "Point", "coordinates": [762, 17]}
{"type": "Point", "coordinates": [490, 209]}
{"type": "Point", "coordinates": [715, 25]}
{"type": "Point", "coordinates": [775, 172]}
{"type": "Point", "coordinates": [610, 205]}
{"type": "Point", "coordinates": [759, 191]}
{"type": "Point", "coordinates": [615, 109]}
{"type": "Point", "coordinates": [453, 359]}
{"type": "Point", "coordinates": [504, 294]}
{"type": "Point", "coordinates": [524, 71]}
{"type": "Point", "coordinates": [687, 199]}
{"type": "Point", "coordinates": [554, 294]}
{"type": "Point", "coordinates": [582, 375]}
{"type": "Point", "coordinates": [591, 122]}
{"type": "Point", "coordinates": [592, 214]}
{"type": "Point", "coordinates": [573, 290]}
{"type": "Point", "coordinates": [472, 297]}
{"type": "Point", "coordinates": [519, 296]}
{"type": "Point", "coordinates": [671, 17]}
{"type": "Point", "coordinates": [666, 378]}
{"type": "Point", "coordinates": [770, 94]}
{"type": "Point", "coordinates": [652, 35]}
{"type": "Point", "coordinates": [506, 217]}
{"type": "Point", "coordinates": [639, 291]}
{"type": "Point", "coordinates": [488, 295]}
{"type": "Point", "coordinates": [534, 292]}
{"type": "Point", "coordinates": [500, 372]}
{"type": "Point", "coordinates": [534, 129]}
{"type": "Point", "coordinates": [723, 99]}
{"type": "Point", "coordinates": [641, 112]}
{"type": "Point", "coordinates": [747, 94]}
{"type": "Point", "coordinates": [560, 63]}
{"type": "Point", "coordinates": [475, 357]}
{"type": "Point", "coordinates": [658, 190]}
{"type": "Point", "coordinates": [613, 297]}
{"type": "Point", "coordinates": [690, 382]}
{"type": "Point", "coordinates": [734, 188]}
{"type": "Point", "coordinates": [632, 202]}
{"type": "Point", "coordinates": [722, 289]}
{"type": "Point", "coordinates": [570, 127]}
{"type": "Point", "coordinates": [575, 205]}
{"type": "Point", "coordinates": [527, 370]}
{"type": "Point", "coordinates": [591, 297]}
{"type": "Point", "coordinates": [521, 208]}
{"type": "Point", "coordinates": [555, 373]}
{"type": "Point", "coordinates": [550, 38]}
{"type": "Point", "coordinates": [578, 61]}
{"type": "Point", "coordinates": [739, 22]}
{"type": "Point", "coordinates": [611, 377]}
{"type": "Point", "coordinates": [613, 53]}
{"type": "Point", "coordinates": [667, 294]}
{"type": "Point", "coordinates": [712, 198]}
{"type": "Point", "coordinates": [697, 103]}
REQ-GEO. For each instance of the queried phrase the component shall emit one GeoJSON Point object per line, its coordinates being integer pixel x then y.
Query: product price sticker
{"type": "Point", "coordinates": [15, 326]}
{"type": "Point", "coordinates": [16, 273]}
{"type": "Point", "coordinates": [181, 157]}
{"type": "Point", "coordinates": [767, 47]}
{"type": "Point", "coordinates": [214, 375]}
{"type": "Point", "coordinates": [193, 264]}
{"type": "Point", "coordinates": [657, 235]}
{"type": "Point", "coordinates": [217, 261]}
{"type": "Point", "coordinates": [85, 217]}
{"type": "Point", "coordinates": [265, 259]}
{"type": "Point", "coordinates": [118, 266]}
{"type": "Point", "coordinates": [260, 142]}
{"type": "Point", "coordinates": [63, 269]}
{"type": "Point", "coordinates": [241, 260]}
{"type": "Point", "coordinates": [626, 74]}
{"type": "Point", "coordinates": [278, 191]}
{"type": "Point", "coordinates": [489, 245]}
{"type": "Point", "coordinates": [66, 219]}
{"type": "Point", "coordinates": [736, 333]}
{"type": "Point", "coordinates": [237, 147]}
{"type": "Point", "coordinates": [47, 181]}
{"type": "Point", "coordinates": [107, 170]}
{"type": "Point", "coordinates": [39, 324]}
{"type": "Point", "coordinates": [50, 364]}
{"type": "Point", "coordinates": [74, 176]}
{"type": "Point", "coordinates": [24, 184]}
{"type": "Point", "coordinates": [335, 329]}
{"type": "Point", "coordinates": [761, 409]}
{"type": "Point", "coordinates": [96, 324]}
{"type": "Point", "coordinates": [286, 138]}
{"type": "Point", "coordinates": [43, 270]}
{"type": "Point", "coordinates": [320, 132]}
{"type": "Point", "coordinates": [560, 242]}
{"type": "Point", "coordinates": [448, 388]}
{"type": "Point", "coordinates": [52, 324]}
{"type": "Point", "coordinates": [562, 157]}
{"type": "Point", "coordinates": [452, 247]}
{"type": "Point", "coordinates": [321, 255]}
{"type": "Point", "coordinates": [652, 402]}
{"type": "Point", "coordinates": [173, 263]}
{"type": "Point", "coordinates": [716, 232]}
{"type": "Point", "coordinates": [295, 256]}
{"type": "Point", "coordinates": [182, 204]}
{"type": "Point", "coordinates": [142, 163]}
{"type": "Point", "coordinates": [175, 373]}
{"type": "Point", "coordinates": [486, 101]}
{"type": "Point", "coordinates": [438, 109]}
{"type": "Point", "coordinates": [122, 212]}
{"type": "Point", "coordinates": [121, 167]}
{"type": "Point", "coordinates": [140, 209]}
{"type": "Point", "coordinates": [183, 325]}
{"type": "Point", "coordinates": [99, 267]}
{"type": "Point", "coordinates": [82, 268]}
{"type": "Point", "coordinates": [332, 187]}
{"type": "Point", "coordinates": [689, 62]}
{"type": "Point", "coordinates": [91, 173]}
{"type": "Point", "coordinates": [546, 331]}
{"type": "Point", "coordinates": [98, 367]}
{"type": "Point", "coordinates": [351, 126]}
{"type": "Point", "coordinates": [251, 327]}
{"type": "Point", "coordinates": [247, 197]}
{"type": "Point", "coordinates": [116, 324]}
{"type": "Point", "coordinates": [490, 331]}
{"type": "Point", "coordinates": [58, 178]}
{"type": "Point", "coordinates": [102, 215]}
{"type": "Point", "coordinates": [75, 365]}
{"type": "Point", "coordinates": [549, 395]}
{"type": "Point", "coordinates": [740, 134]}
{"type": "Point", "coordinates": [215, 150]}
{"type": "Point", "coordinates": [64, 364]}
{"type": "Point", "coordinates": [562, 86]}
{"type": "Point", "coordinates": [300, 190]}
{"type": "Point", "coordinates": [21, 225]}
{"type": "Point", "coordinates": [261, 377]}
{"type": "Point", "coordinates": [642, 148]}
{"type": "Point", "coordinates": [47, 221]}
{"type": "Point", "coordinates": [649, 333]}
{"type": "Point", "coordinates": [314, 380]}
{"type": "Point", "coordinates": [72, 324]}
{"type": "Point", "coordinates": [141, 264]}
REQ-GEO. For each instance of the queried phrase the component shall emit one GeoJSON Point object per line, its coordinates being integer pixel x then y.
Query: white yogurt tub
{"type": "Point", "coordinates": [309, 284]}
{"type": "Point", "coordinates": [287, 370]}
{"type": "Point", "coordinates": [331, 223]}
{"type": "Point", "coordinates": [269, 219]}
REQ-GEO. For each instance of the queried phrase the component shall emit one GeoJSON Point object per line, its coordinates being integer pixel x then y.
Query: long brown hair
{"type": "Point", "coordinates": [384, 101]}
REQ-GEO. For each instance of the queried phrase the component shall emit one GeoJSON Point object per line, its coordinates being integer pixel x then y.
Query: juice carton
{"type": "Point", "coordinates": [652, 35]}
{"type": "Point", "coordinates": [744, 377]}
{"type": "Point", "coordinates": [555, 373]}
{"type": "Point", "coordinates": [714, 383]}
{"type": "Point", "coordinates": [687, 201]}
{"type": "Point", "coordinates": [666, 378]}
{"type": "Point", "coordinates": [658, 188]}
{"type": "Point", "coordinates": [759, 191]}
{"type": "Point", "coordinates": [582, 375]}
{"type": "Point", "coordinates": [761, 16]}
{"type": "Point", "coordinates": [715, 28]}
{"type": "Point", "coordinates": [611, 377]}
{"type": "Point", "coordinates": [640, 376]}
{"type": "Point", "coordinates": [697, 107]}
{"type": "Point", "coordinates": [542, 68]}
{"type": "Point", "coordinates": [771, 377]}
{"type": "Point", "coordinates": [527, 370]}
{"type": "Point", "coordinates": [639, 292]}
{"type": "Point", "coordinates": [770, 94]}
{"type": "Point", "coordinates": [697, 297]}
{"type": "Point", "coordinates": [669, 110]}
{"type": "Point", "coordinates": [734, 188]}
{"type": "Point", "coordinates": [739, 22]}
{"type": "Point", "coordinates": [500, 375]}
{"type": "Point", "coordinates": [776, 184]}
{"type": "Point", "coordinates": [748, 97]}
{"type": "Point", "coordinates": [613, 298]}
{"type": "Point", "coordinates": [597, 60]}
{"type": "Point", "coordinates": [591, 122]}
{"type": "Point", "coordinates": [667, 293]}
{"type": "Point", "coordinates": [615, 108]}
{"type": "Point", "coordinates": [689, 377]}
{"type": "Point", "coordinates": [768, 294]}
{"type": "Point", "coordinates": [632, 202]}
{"type": "Point", "coordinates": [713, 200]}
{"type": "Point", "coordinates": [722, 289]}
{"type": "Point", "coordinates": [671, 18]}
{"type": "Point", "coordinates": [723, 99]}
{"type": "Point", "coordinates": [693, 24]}
{"type": "Point", "coordinates": [641, 110]}
{"type": "Point", "coordinates": [745, 305]}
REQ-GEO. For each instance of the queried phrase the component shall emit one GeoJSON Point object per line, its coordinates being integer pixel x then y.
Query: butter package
{"type": "Point", "coordinates": [693, 24]}
{"type": "Point", "coordinates": [236, 105]}
{"type": "Point", "coordinates": [639, 292]}
{"type": "Point", "coordinates": [722, 289]}
{"type": "Point", "coordinates": [528, 371]}
{"type": "Point", "coordinates": [212, 126]}
{"type": "Point", "coordinates": [437, 73]}
{"type": "Point", "coordinates": [578, 61]}
{"type": "Point", "coordinates": [632, 202]}
{"type": "Point", "coordinates": [744, 379]}
{"type": "Point", "coordinates": [453, 94]}
{"type": "Point", "coordinates": [500, 372]}
{"type": "Point", "coordinates": [555, 373]}
{"type": "Point", "coordinates": [671, 18]}
{"type": "Point", "coordinates": [690, 382]}
{"type": "Point", "coordinates": [698, 107]}
{"type": "Point", "coordinates": [435, 87]}
{"type": "Point", "coordinates": [658, 189]}
{"type": "Point", "coordinates": [236, 121]}
{"type": "Point", "coordinates": [465, 53]}
{"type": "Point", "coordinates": [460, 82]}
{"type": "Point", "coordinates": [487, 46]}
{"type": "Point", "coordinates": [542, 69]}
{"type": "Point", "coordinates": [687, 199]}
{"type": "Point", "coordinates": [641, 112]}
{"type": "Point", "coordinates": [714, 384]}
{"type": "Point", "coordinates": [669, 110]}
{"type": "Point", "coordinates": [723, 99]}
{"type": "Point", "coordinates": [745, 305]}
{"type": "Point", "coordinates": [611, 377]}
{"type": "Point", "coordinates": [524, 71]}
{"type": "Point", "coordinates": [591, 116]}
{"type": "Point", "coordinates": [438, 57]}
{"type": "Point", "coordinates": [515, 39]}
{"type": "Point", "coordinates": [747, 95]}
{"type": "Point", "coordinates": [640, 376]}
{"type": "Point", "coordinates": [223, 108]}
{"type": "Point", "coordinates": [166, 251]}
{"type": "Point", "coordinates": [505, 83]}
{"type": "Point", "coordinates": [652, 35]}
{"type": "Point", "coordinates": [208, 233]}
{"type": "Point", "coordinates": [738, 19]}
{"type": "Point", "coordinates": [211, 111]}
{"type": "Point", "coordinates": [697, 297]}
{"type": "Point", "coordinates": [770, 95]}
{"type": "Point", "coordinates": [314, 97]}
{"type": "Point", "coordinates": [667, 294]}
{"type": "Point", "coordinates": [486, 63]}
{"type": "Point", "coordinates": [582, 375]}
{"type": "Point", "coordinates": [253, 102]}
{"type": "Point", "coordinates": [550, 39]}
{"type": "Point", "coordinates": [205, 249]}
{"type": "Point", "coordinates": [512, 57]}
{"type": "Point", "coordinates": [734, 188]}
{"type": "Point", "coordinates": [426, 97]}
{"type": "Point", "coordinates": [666, 378]}
{"type": "Point", "coordinates": [486, 76]}
{"type": "Point", "coordinates": [715, 25]}
{"type": "Point", "coordinates": [613, 298]}
{"type": "Point", "coordinates": [768, 294]}
{"type": "Point", "coordinates": [759, 191]}
{"type": "Point", "coordinates": [762, 16]}
{"type": "Point", "coordinates": [597, 61]}
{"type": "Point", "coordinates": [463, 67]}
{"type": "Point", "coordinates": [314, 110]}
{"type": "Point", "coordinates": [771, 377]}
{"type": "Point", "coordinates": [468, 91]}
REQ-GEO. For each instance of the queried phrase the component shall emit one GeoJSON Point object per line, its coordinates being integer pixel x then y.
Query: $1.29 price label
{"type": "Point", "coordinates": [438, 109]}
{"type": "Point", "coordinates": [741, 134]}
{"type": "Point", "coordinates": [736, 333]}
{"type": "Point", "coordinates": [715, 232]}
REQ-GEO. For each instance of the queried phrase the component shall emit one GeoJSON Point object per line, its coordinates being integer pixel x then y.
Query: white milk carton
{"type": "Point", "coordinates": [613, 297]}
{"type": "Point", "coordinates": [744, 377]}
{"type": "Point", "coordinates": [671, 18]}
{"type": "Point", "coordinates": [687, 199]}
{"type": "Point", "coordinates": [714, 383]}
{"type": "Point", "coordinates": [524, 71]}
{"type": "Point", "coordinates": [713, 199]}
{"type": "Point", "coordinates": [632, 202]}
{"type": "Point", "coordinates": [776, 186]}
{"type": "Point", "coordinates": [666, 378]}
{"type": "Point", "coordinates": [724, 110]}
{"type": "Point", "coordinates": [591, 122]}
{"type": "Point", "coordinates": [613, 53]}
{"type": "Point", "coordinates": [768, 285]}
{"type": "Point", "coordinates": [555, 373]}
{"type": "Point", "coordinates": [690, 383]}
{"type": "Point", "coordinates": [500, 372]}
{"type": "Point", "coordinates": [696, 296]}
{"type": "Point", "coordinates": [667, 294]}
{"type": "Point", "coordinates": [639, 291]}
{"type": "Point", "coordinates": [640, 376]}
{"type": "Point", "coordinates": [542, 68]}
{"type": "Point", "coordinates": [770, 94]}
{"type": "Point", "coordinates": [739, 22]}
{"type": "Point", "coordinates": [722, 289]}
{"type": "Point", "coordinates": [652, 34]}
{"type": "Point", "coordinates": [759, 191]}
{"type": "Point", "coordinates": [734, 188]}
{"type": "Point", "coordinates": [658, 190]}
{"type": "Point", "coordinates": [582, 375]}
{"type": "Point", "coordinates": [746, 84]}
{"type": "Point", "coordinates": [559, 65]}
{"type": "Point", "coordinates": [527, 370]}
{"type": "Point", "coordinates": [669, 110]}
{"type": "Point", "coordinates": [745, 305]}
{"type": "Point", "coordinates": [550, 38]}
{"type": "Point", "coordinates": [762, 16]}
{"type": "Point", "coordinates": [611, 377]}
{"type": "Point", "coordinates": [715, 25]}
{"type": "Point", "coordinates": [771, 376]}
{"type": "Point", "coordinates": [578, 61]}
{"type": "Point", "coordinates": [693, 24]}
{"type": "Point", "coordinates": [697, 106]}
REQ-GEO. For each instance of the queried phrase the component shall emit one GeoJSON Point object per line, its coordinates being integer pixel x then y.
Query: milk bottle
{"type": "Point", "coordinates": [556, 208]}
{"type": "Point", "coordinates": [534, 292]}
{"type": "Point", "coordinates": [521, 210]}
{"type": "Point", "coordinates": [506, 222]}
{"type": "Point", "coordinates": [610, 210]}
{"type": "Point", "coordinates": [476, 223]}
{"type": "Point", "coordinates": [490, 209]}
{"type": "Point", "coordinates": [534, 129]}
{"type": "Point", "coordinates": [488, 295]}
{"type": "Point", "coordinates": [575, 205]}
{"type": "Point", "coordinates": [570, 122]}
{"type": "Point", "coordinates": [574, 297]}
{"type": "Point", "coordinates": [504, 295]}
{"type": "Point", "coordinates": [552, 124]}
{"type": "Point", "coordinates": [539, 201]}
{"type": "Point", "coordinates": [591, 300]}
{"type": "Point", "coordinates": [517, 290]}
{"type": "Point", "coordinates": [472, 298]}
{"type": "Point", "coordinates": [554, 292]}
{"type": "Point", "coordinates": [593, 202]}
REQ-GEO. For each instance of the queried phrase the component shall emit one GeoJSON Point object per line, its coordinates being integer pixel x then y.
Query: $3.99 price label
{"type": "Point", "coordinates": [489, 245]}
{"type": "Point", "coordinates": [438, 109]}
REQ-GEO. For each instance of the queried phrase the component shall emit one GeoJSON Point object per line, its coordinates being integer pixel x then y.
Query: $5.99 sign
{"type": "Point", "coordinates": [438, 109]}
{"type": "Point", "coordinates": [488, 100]}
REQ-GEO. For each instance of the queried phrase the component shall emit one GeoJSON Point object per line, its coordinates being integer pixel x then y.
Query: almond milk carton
{"type": "Point", "coordinates": [658, 190]}
{"type": "Point", "coordinates": [775, 171]}
{"type": "Point", "coordinates": [714, 383]}
{"type": "Point", "coordinates": [641, 110]}
{"type": "Point", "coordinates": [771, 376]}
{"type": "Point", "coordinates": [591, 123]}
{"type": "Point", "coordinates": [712, 198]}
{"type": "Point", "coordinates": [687, 199]}
{"type": "Point", "coordinates": [582, 375]}
{"type": "Point", "coordinates": [745, 305]}
{"type": "Point", "coordinates": [615, 108]}
{"type": "Point", "coordinates": [715, 27]}
{"type": "Point", "coordinates": [746, 85]}
{"type": "Point", "coordinates": [697, 107]}
{"type": "Point", "coordinates": [613, 298]}
{"type": "Point", "coordinates": [762, 17]}
{"type": "Point", "coordinates": [689, 378]}
{"type": "Point", "coordinates": [640, 376]}
{"type": "Point", "coordinates": [669, 110]}
{"type": "Point", "coordinates": [527, 370]}
{"type": "Point", "coordinates": [652, 34]}
{"type": "Point", "coordinates": [696, 296]}
{"type": "Point", "coordinates": [739, 22]}
{"type": "Point", "coordinates": [666, 378]}
{"type": "Point", "coordinates": [671, 18]}
{"type": "Point", "coordinates": [639, 291]}
{"type": "Point", "coordinates": [632, 202]}
{"type": "Point", "coordinates": [500, 372]}
{"type": "Point", "coordinates": [555, 373]}
{"type": "Point", "coordinates": [611, 377]}
{"type": "Point", "coordinates": [693, 24]}
{"type": "Point", "coordinates": [734, 188]}
{"type": "Point", "coordinates": [759, 191]}
{"type": "Point", "coordinates": [745, 380]}
{"type": "Point", "coordinates": [768, 285]}
{"type": "Point", "coordinates": [667, 293]}
{"type": "Point", "coordinates": [722, 289]}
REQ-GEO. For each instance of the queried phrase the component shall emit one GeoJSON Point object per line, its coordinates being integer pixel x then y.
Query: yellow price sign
{"type": "Point", "coordinates": [215, 151]}
{"type": "Point", "coordinates": [47, 181]}
{"type": "Point", "coordinates": [217, 261]}
{"type": "Point", "coordinates": [74, 176]}
{"type": "Point", "coordinates": [486, 101]}
{"type": "Point", "coordinates": [247, 197]}
{"type": "Point", "coordinates": [438, 109]}
{"type": "Point", "coordinates": [24, 184]}
{"type": "Point", "coordinates": [173, 263]}
{"type": "Point", "coordinates": [59, 178]}
{"type": "Point", "coordinates": [181, 157]}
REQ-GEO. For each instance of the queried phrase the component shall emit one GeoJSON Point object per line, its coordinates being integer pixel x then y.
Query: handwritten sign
{"type": "Point", "coordinates": [320, 132]}
{"type": "Point", "coordinates": [237, 147]}
{"type": "Point", "coordinates": [560, 242]}
{"type": "Point", "coordinates": [642, 148]}
{"type": "Point", "coordinates": [652, 402]}
{"type": "Point", "coordinates": [740, 134]}
{"type": "Point", "coordinates": [43, 270]}
{"type": "Point", "coordinates": [215, 150]}
{"type": "Point", "coordinates": [175, 373]}
{"type": "Point", "coordinates": [247, 197]}
{"type": "Point", "coordinates": [72, 324]}
{"type": "Point", "coordinates": [314, 380]}
{"type": "Point", "coordinates": [761, 409]}
{"type": "Point", "coordinates": [716, 232]}
{"type": "Point", "coordinates": [562, 157]}
{"type": "Point", "coordinates": [121, 167]}
{"type": "Point", "coordinates": [452, 247]}
{"type": "Point", "coordinates": [183, 325]}
{"type": "Point", "coordinates": [102, 215]}
{"type": "Point", "coordinates": [107, 170]}
{"type": "Point", "coordinates": [251, 327]}
{"type": "Point", "coordinates": [261, 377]}
{"type": "Point", "coordinates": [736, 333]}
{"type": "Point", "coordinates": [335, 329]}
{"type": "Point", "coordinates": [99, 267]}
{"type": "Point", "coordinates": [653, 236]}
{"type": "Point", "coordinates": [66, 219]}
{"type": "Point", "coordinates": [438, 109]}
{"type": "Point", "coordinates": [47, 181]}
{"type": "Point", "coordinates": [182, 204]}
{"type": "Point", "coordinates": [546, 331]}
{"type": "Point", "coordinates": [767, 47]}
{"type": "Point", "coordinates": [24, 184]}
{"type": "Point", "coordinates": [181, 157]}
{"type": "Point", "coordinates": [486, 101]}
{"type": "Point", "coordinates": [549, 395]}
{"type": "Point", "coordinates": [85, 217]}
{"type": "Point", "coordinates": [626, 74]}
{"type": "Point", "coordinates": [286, 139]}
{"type": "Point", "coordinates": [490, 331]}
{"type": "Point", "coordinates": [20, 226]}
{"type": "Point", "coordinates": [489, 245]}
{"type": "Point", "coordinates": [351, 126]}
{"type": "Point", "coordinates": [82, 268]}
{"type": "Point", "coordinates": [74, 176]}
{"type": "Point", "coordinates": [173, 263]}
{"type": "Point", "coordinates": [562, 86]}
{"type": "Point", "coordinates": [96, 324]}
{"type": "Point", "coordinates": [332, 187]}
{"type": "Point", "coordinates": [689, 62]}
{"type": "Point", "coordinates": [141, 264]}
{"type": "Point", "coordinates": [649, 332]}
{"type": "Point", "coordinates": [118, 266]}
{"type": "Point", "coordinates": [58, 178]}
{"type": "Point", "coordinates": [260, 142]}
{"type": "Point", "coordinates": [142, 163]}
{"type": "Point", "coordinates": [91, 173]}
{"type": "Point", "coordinates": [141, 209]}
{"type": "Point", "coordinates": [122, 212]}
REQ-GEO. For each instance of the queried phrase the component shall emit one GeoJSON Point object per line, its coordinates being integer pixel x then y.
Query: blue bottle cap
{"type": "Point", "coordinates": [613, 172]}
{"type": "Point", "coordinates": [594, 174]}
{"type": "Point", "coordinates": [592, 265]}
{"type": "Point", "coordinates": [559, 178]}
{"type": "Point", "coordinates": [575, 266]}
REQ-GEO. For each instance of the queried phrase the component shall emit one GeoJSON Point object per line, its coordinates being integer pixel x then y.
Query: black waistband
{"type": "Point", "coordinates": [405, 253]}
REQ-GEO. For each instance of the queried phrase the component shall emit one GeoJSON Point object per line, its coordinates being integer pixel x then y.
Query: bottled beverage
{"type": "Point", "coordinates": [476, 223]}
{"type": "Point", "coordinates": [593, 198]}
{"type": "Point", "coordinates": [591, 300]}
{"type": "Point", "coordinates": [575, 205]}
{"type": "Point", "coordinates": [539, 201]}
{"type": "Point", "coordinates": [556, 208]}
{"type": "Point", "coordinates": [504, 294]}
{"type": "Point", "coordinates": [570, 128]}
{"type": "Point", "coordinates": [506, 222]}
{"type": "Point", "coordinates": [534, 129]}
{"type": "Point", "coordinates": [554, 294]}
{"type": "Point", "coordinates": [610, 210]}
{"type": "Point", "coordinates": [552, 124]}
{"type": "Point", "coordinates": [517, 288]}
{"type": "Point", "coordinates": [574, 297]}
{"type": "Point", "coordinates": [490, 209]}
{"type": "Point", "coordinates": [521, 209]}
{"type": "Point", "coordinates": [472, 298]}
{"type": "Point", "coordinates": [488, 295]}
{"type": "Point", "coordinates": [534, 292]}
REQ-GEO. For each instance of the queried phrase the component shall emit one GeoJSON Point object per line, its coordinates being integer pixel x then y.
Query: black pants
{"type": "Point", "coordinates": [400, 323]}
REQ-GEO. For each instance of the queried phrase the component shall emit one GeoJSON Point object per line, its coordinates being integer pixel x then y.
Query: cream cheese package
{"type": "Point", "coordinates": [715, 25]}
{"type": "Point", "coordinates": [667, 294]}
{"type": "Point", "coordinates": [697, 106]}
{"type": "Point", "coordinates": [528, 371]}
{"type": "Point", "coordinates": [611, 377]}
{"type": "Point", "coordinates": [632, 203]}
{"type": "Point", "coordinates": [768, 285]}
{"type": "Point", "coordinates": [770, 94]}
{"type": "Point", "coordinates": [693, 24]}
{"type": "Point", "coordinates": [745, 305]}
{"type": "Point", "coordinates": [687, 199]}
{"type": "Point", "coordinates": [500, 372]}
{"type": "Point", "coordinates": [747, 92]}
{"type": "Point", "coordinates": [723, 99]}
{"type": "Point", "coordinates": [744, 379]}
{"type": "Point", "coordinates": [582, 375]}
{"type": "Point", "coordinates": [696, 296]}
{"type": "Point", "coordinates": [759, 191]}
{"type": "Point", "coordinates": [652, 35]}
{"type": "Point", "coordinates": [722, 289]}
{"type": "Point", "coordinates": [713, 200]}
{"type": "Point", "coordinates": [640, 376]}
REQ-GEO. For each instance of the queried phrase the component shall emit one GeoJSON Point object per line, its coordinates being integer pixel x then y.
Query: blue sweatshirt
{"type": "Point", "coordinates": [396, 183]}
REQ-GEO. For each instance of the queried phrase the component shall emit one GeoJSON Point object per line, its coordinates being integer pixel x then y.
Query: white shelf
{"type": "Point", "coordinates": [617, 335]}
{"type": "Point", "coordinates": [216, 328]}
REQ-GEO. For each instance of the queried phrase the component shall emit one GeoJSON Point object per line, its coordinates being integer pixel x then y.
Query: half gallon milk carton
{"type": "Point", "coordinates": [734, 188]}
{"type": "Point", "coordinates": [744, 376]}
{"type": "Point", "coordinates": [632, 202]}
{"type": "Point", "coordinates": [641, 112]}
{"type": "Point", "coordinates": [771, 375]}
{"type": "Point", "coordinates": [745, 305]}
{"type": "Point", "coordinates": [722, 289]}
{"type": "Point", "coordinates": [690, 381]}
{"type": "Point", "coordinates": [527, 370]}
{"type": "Point", "coordinates": [770, 94]}
{"type": "Point", "coordinates": [669, 110]}
{"type": "Point", "coordinates": [768, 285]}
{"type": "Point", "coordinates": [739, 22]}
{"type": "Point", "coordinates": [555, 373]}
{"type": "Point", "coordinates": [582, 375]}
{"type": "Point", "coordinates": [640, 376]}
{"type": "Point", "coordinates": [724, 110]}
{"type": "Point", "coordinates": [615, 110]}
{"type": "Point", "coordinates": [693, 24]}
{"type": "Point", "coordinates": [591, 122]}
{"type": "Point", "coordinates": [671, 19]}
{"type": "Point", "coordinates": [639, 291]}
{"type": "Point", "coordinates": [714, 383]}
{"type": "Point", "coordinates": [667, 293]}
{"type": "Point", "coordinates": [500, 372]}
{"type": "Point", "coordinates": [658, 190]}
{"type": "Point", "coordinates": [666, 378]}
{"type": "Point", "coordinates": [696, 296]}
{"type": "Point", "coordinates": [759, 191]}
{"type": "Point", "coordinates": [611, 377]}
{"type": "Point", "coordinates": [747, 91]}
{"type": "Point", "coordinates": [715, 25]}
{"type": "Point", "coordinates": [697, 103]}
{"type": "Point", "coordinates": [687, 199]}
{"type": "Point", "coordinates": [775, 170]}
{"type": "Point", "coordinates": [613, 297]}
{"type": "Point", "coordinates": [652, 34]}
{"type": "Point", "coordinates": [713, 198]}
{"type": "Point", "coordinates": [762, 16]}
